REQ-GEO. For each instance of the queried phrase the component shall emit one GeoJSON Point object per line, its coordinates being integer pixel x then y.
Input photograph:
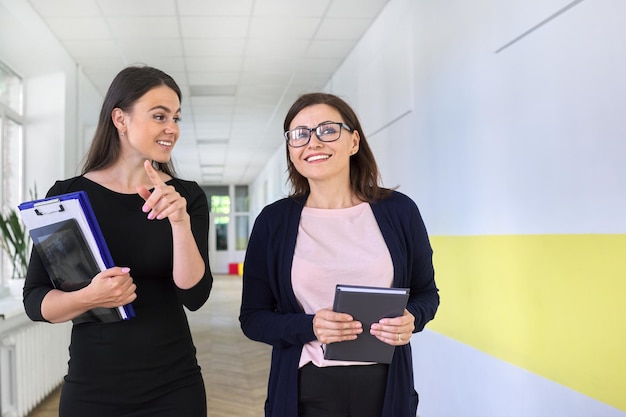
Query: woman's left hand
{"type": "Point", "coordinates": [164, 201]}
{"type": "Point", "coordinates": [395, 331]}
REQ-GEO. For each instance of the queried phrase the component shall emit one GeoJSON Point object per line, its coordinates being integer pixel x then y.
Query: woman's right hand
{"type": "Point", "coordinates": [111, 288]}
{"type": "Point", "coordinates": [330, 326]}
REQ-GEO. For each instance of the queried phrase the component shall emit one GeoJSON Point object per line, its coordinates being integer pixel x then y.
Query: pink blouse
{"type": "Point", "coordinates": [336, 246]}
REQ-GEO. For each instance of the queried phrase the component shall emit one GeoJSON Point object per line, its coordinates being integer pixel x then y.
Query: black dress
{"type": "Point", "coordinates": [145, 366]}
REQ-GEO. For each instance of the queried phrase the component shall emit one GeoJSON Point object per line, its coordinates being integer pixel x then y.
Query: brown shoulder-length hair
{"type": "Point", "coordinates": [364, 175]}
{"type": "Point", "coordinates": [128, 86]}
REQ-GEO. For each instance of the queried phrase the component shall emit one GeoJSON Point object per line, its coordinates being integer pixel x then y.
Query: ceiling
{"type": "Point", "coordinates": [240, 64]}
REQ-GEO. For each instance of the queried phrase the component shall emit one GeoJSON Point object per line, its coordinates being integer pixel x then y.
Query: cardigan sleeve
{"type": "Point", "coordinates": [269, 312]}
{"type": "Point", "coordinates": [407, 239]}
{"type": "Point", "coordinates": [424, 299]}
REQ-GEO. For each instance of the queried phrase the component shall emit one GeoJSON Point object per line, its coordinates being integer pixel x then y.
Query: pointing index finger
{"type": "Point", "coordinates": [152, 174]}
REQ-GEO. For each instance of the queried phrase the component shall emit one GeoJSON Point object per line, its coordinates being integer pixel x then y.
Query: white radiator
{"type": "Point", "coordinates": [33, 361]}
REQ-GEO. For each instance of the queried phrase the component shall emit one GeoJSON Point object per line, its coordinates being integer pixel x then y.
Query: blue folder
{"type": "Point", "coordinates": [64, 229]}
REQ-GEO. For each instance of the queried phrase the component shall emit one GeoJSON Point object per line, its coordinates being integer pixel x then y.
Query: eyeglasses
{"type": "Point", "coordinates": [325, 132]}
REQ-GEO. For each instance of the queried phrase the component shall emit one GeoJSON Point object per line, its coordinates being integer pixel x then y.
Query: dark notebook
{"type": "Point", "coordinates": [70, 263]}
{"type": "Point", "coordinates": [367, 305]}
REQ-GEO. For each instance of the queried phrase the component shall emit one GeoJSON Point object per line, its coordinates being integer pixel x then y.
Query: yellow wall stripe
{"type": "Point", "coordinates": [552, 304]}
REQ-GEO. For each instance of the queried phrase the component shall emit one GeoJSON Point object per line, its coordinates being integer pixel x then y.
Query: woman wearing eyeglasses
{"type": "Point", "coordinates": [338, 226]}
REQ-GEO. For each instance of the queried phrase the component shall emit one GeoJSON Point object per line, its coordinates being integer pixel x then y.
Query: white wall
{"type": "Point", "coordinates": [524, 140]}
{"type": "Point", "coordinates": [531, 113]}
{"type": "Point", "coordinates": [271, 183]}
{"type": "Point", "coordinates": [455, 380]}
{"type": "Point", "coordinates": [89, 101]}
{"type": "Point", "coordinates": [45, 130]}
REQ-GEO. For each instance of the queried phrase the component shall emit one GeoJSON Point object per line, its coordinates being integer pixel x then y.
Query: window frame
{"type": "Point", "coordinates": [12, 155]}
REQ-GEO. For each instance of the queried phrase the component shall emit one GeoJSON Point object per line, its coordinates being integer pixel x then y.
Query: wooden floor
{"type": "Point", "coordinates": [235, 369]}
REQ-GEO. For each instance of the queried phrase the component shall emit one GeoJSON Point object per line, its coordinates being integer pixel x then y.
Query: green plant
{"type": "Point", "coordinates": [15, 241]}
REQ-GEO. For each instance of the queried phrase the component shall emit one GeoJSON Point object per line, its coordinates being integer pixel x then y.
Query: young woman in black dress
{"type": "Point", "coordinates": [156, 228]}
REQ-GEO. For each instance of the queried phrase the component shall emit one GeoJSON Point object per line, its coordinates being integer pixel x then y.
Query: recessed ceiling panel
{"type": "Point", "coordinates": [291, 8]}
{"type": "Point", "coordinates": [138, 7]}
{"type": "Point", "coordinates": [233, 27]}
{"type": "Point", "coordinates": [66, 8]}
{"type": "Point", "coordinates": [79, 28]}
{"type": "Point", "coordinates": [144, 27]}
{"type": "Point", "coordinates": [215, 7]}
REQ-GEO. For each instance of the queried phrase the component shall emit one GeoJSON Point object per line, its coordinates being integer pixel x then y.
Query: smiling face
{"type": "Point", "coordinates": [150, 129]}
{"type": "Point", "coordinates": [323, 161]}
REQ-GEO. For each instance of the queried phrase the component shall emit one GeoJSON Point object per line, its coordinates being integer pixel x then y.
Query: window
{"type": "Point", "coordinates": [11, 95]}
{"type": "Point", "coordinates": [220, 204]}
{"type": "Point", "coordinates": [11, 161]}
{"type": "Point", "coordinates": [11, 147]}
{"type": "Point", "coordinates": [241, 217]}
{"type": "Point", "coordinates": [229, 206]}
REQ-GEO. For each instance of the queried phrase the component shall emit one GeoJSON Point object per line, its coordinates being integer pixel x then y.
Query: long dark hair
{"type": "Point", "coordinates": [128, 86]}
{"type": "Point", "coordinates": [364, 175]}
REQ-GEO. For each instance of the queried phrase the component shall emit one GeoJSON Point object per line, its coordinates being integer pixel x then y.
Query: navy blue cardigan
{"type": "Point", "coordinates": [271, 314]}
